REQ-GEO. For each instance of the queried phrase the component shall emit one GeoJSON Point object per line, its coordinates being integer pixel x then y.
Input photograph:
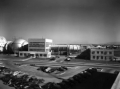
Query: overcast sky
{"type": "Point", "coordinates": [64, 21]}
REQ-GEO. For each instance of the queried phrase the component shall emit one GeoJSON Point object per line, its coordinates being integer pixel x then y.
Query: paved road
{"type": "Point", "coordinates": [33, 71]}
{"type": "Point", "coordinates": [82, 66]}
{"type": "Point", "coordinates": [73, 64]}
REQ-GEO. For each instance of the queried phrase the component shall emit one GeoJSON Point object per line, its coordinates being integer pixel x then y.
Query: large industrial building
{"type": "Point", "coordinates": [38, 48]}
{"type": "Point", "coordinates": [15, 46]}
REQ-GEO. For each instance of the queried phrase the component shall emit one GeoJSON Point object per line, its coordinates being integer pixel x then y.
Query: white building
{"type": "Point", "coordinates": [38, 48]}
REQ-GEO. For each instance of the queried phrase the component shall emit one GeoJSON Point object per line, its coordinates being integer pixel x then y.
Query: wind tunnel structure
{"type": "Point", "coordinates": [19, 45]}
{"type": "Point", "coordinates": [15, 46]}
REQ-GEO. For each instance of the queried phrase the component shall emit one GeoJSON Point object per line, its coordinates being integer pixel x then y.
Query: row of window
{"type": "Point", "coordinates": [41, 50]}
{"type": "Point", "coordinates": [36, 44]}
{"type": "Point", "coordinates": [102, 57]}
{"type": "Point", "coordinates": [101, 52]}
{"type": "Point", "coordinates": [37, 55]}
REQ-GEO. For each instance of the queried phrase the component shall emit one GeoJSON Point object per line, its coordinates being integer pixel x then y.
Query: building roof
{"type": "Point", "coordinates": [19, 41]}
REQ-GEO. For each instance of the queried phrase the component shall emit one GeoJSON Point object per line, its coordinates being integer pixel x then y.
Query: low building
{"type": "Point", "coordinates": [65, 49]}
{"type": "Point", "coordinates": [34, 54]}
{"type": "Point", "coordinates": [102, 54]}
{"type": "Point", "coordinates": [38, 48]}
{"type": "Point", "coordinates": [117, 55]}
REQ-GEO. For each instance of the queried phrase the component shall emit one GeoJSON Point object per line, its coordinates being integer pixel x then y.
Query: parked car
{"type": "Point", "coordinates": [67, 59]}
{"type": "Point", "coordinates": [32, 64]}
{"type": "Point", "coordinates": [52, 58]}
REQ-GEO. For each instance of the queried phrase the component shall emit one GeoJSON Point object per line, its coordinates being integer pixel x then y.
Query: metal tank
{"type": "Point", "coordinates": [8, 48]}
{"type": "Point", "coordinates": [18, 45]}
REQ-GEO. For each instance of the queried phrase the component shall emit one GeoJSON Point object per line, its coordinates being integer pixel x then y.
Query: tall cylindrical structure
{"type": "Point", "coordinates": [18, 44]}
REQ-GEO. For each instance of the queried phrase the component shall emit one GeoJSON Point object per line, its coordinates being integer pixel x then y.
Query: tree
{"type": "Point", "coordinates": [84, 55]}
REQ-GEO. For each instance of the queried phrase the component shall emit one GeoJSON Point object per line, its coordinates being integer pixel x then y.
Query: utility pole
{"type": "Point", "coordinates": [58, 50]}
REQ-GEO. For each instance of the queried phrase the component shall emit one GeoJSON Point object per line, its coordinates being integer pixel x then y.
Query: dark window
{"type": "Point", "coordinates": [93, 57]}
{"type": "Point", "coordinates": [97, 52]}
{"type": "Point", "coordinates": [45, 55]}
{"type": "Point", "coordinates": [101, 57]}
{"type": "Point", "coordinates": [101, 52]}
{"type": "Point", "coordinates": [40, 54]}
{"type": "Point", "coordinates": [37, 44]}
{"type": "Point", "coordinates": [37, 55]}
{"type": "Point", "coordinates": [25, 54]}
{"type": "Point", "coordinates": [21, 54]}
{"type": "Point", "coordinates": [32, 55]}
{"type": "Point", "coordinates": [93, 52]}
{"type": "Point", "coordinates": [97, 57]}
{"type": "Point", "coordinates": [110, 52]}
{"type": "Point", "coordinates": [41, 50]}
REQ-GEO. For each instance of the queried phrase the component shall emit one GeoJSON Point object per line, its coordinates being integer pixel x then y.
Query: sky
{"type": "Point", "coordinates": [64, 21]}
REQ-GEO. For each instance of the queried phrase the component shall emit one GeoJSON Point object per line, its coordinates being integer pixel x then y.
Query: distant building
{"type": "Point", "coordinates": [65, 49]}
{"type": "Point", "coordinates": [117, 55]}
{"type": "Point", "coordinates": [102, 54]}
{"type": "Point", "coordinates": [2, 43]}
{"type": "Point", "coordinates": [38, 48]}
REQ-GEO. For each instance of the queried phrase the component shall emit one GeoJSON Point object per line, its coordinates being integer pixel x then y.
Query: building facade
{"type": "Point", "coordinates": [38, 48]}
{"type": "Point", "coordinates": [65, 49]}
{"type": "Point", "coordinates": [102, 54]}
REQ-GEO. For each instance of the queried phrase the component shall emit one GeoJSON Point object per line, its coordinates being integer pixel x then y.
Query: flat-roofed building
{"type": "Point", "coordinates": [65, 49]}
{"type": "Point", "coordinates": [38, 48]}
{"type": "Point", "coordinates": [102, 54]}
